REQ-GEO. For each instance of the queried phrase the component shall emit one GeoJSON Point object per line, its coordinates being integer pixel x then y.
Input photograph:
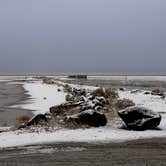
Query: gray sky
{"type": "Point", "coordinates": [97, 36]}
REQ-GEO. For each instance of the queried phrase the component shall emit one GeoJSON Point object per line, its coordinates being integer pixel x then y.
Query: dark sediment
{"type": "Point", "coordinates": [12, 94]}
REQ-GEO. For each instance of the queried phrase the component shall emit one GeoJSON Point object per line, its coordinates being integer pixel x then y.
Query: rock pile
{"type": "Point", "coordinates": [86, 108]}
{"type": "Point", "coordinates": [82, 108]}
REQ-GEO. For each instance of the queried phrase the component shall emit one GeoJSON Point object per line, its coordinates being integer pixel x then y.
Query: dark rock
{"type": "Point", "coordinates": [69, 98]}
{"type": "Point", "coordinates": [67, 88]}
{"type": "Point", "coordinates": [36, 120]}
{"type": "Point", "coordinates": [122, 89]}
{"type": "Point", "coordinates": [86, 106]}
{"type": "Point", "coordinates": [59, 90]}
{"type": "Point", "coordinates": [79, 92]}
{"type": "Point", "coordinates": [81, 99]}
{"type": "Point", "coordinates": [158, 92]}
{"type": "Point", "coordinates": [60, 109]}
{"type": "Point", "coordinates": [88, 117]}
{"type": "Point", "coordinates": [146, 93]}
{"type": "Point", "coordinates": [163, 97]}
{"type": "Point", "coordinates": [135, 91]}
{"type": "Point", "coordinates": [140, 118]}
{"type": "Point", "coordinates": [99, 101]}
{"type": "Point", "coordinates": [47, 80]}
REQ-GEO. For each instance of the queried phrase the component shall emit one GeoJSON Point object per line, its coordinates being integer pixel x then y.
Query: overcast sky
{"type": "Point", "coordinates": [96, 36]}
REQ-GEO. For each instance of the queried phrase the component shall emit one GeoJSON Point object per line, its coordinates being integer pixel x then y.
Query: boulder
{"type": "Point", "coordinates": [135, 91]}
{"type": "Point", "coordinates": [95, 104]}
{"type": "Point", "coordinates": [79, 92]}
{"type": "Point", "coordinates": [146, 93]}
{"type": "Point", "coordinates": [158, 92]}
{"type": "Point", "coordinates": [61, 109]}
{"type": "Point", "coordinates": [88, 117]}
{"type": "Point", "coordinates": [36, 120]}
{"type": "Point", "coordinates": [69, 98]}
{"type": "Point", "coordinates": [122, 89]}
{"type": "Point", "coordinates": [140, 118]}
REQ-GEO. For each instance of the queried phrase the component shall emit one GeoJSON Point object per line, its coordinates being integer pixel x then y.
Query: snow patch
{"type": "Point", "coordinates": [43, 96]}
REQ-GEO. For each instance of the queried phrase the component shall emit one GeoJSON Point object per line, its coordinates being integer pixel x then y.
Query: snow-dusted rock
{"type": "Point", "coordinates": [140, 118]}
{"type": "Point", "coordinates": [88, 117]}
{"type": "Point", "coordinates": [60, 109]}
{"type": "Point", "coordinates": [36, 120]}
{"type": "Point", "coordinates": [99, 101]}
{"type": "Point", "coordinates": [135, 91]}
{"type": "Point", "coordinates": [158, 92]}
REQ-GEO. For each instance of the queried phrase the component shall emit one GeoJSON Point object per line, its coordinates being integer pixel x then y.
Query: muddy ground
{"type": "Point", "coordinates": [11, 94]}
{"type": "Point", "coordinates": [149, 152]}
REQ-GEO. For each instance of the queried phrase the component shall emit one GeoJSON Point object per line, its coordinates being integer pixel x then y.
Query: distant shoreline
{"type": "Point", "coordinates": [88, 74]}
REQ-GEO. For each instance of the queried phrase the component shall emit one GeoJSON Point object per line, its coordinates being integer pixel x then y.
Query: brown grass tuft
{"type": "Point", "coordinates": [124, 103]}
{"type": "Point", "coordinates": [22, 120]}
{"type": "Point", "coordinates": [108, 93]}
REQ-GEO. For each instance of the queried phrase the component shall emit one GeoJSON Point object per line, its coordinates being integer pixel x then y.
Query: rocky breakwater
{"type": "Point", "coordinates": [94, 108]}
{"type": "Point", "coordinates": [83, 108]}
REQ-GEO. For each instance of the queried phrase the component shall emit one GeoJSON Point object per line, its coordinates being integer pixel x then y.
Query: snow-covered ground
{"type": "Point", "coordinates": [91, 135]}
{"type": "Point", "coordinates": [103, 134]}
{"type": "Point", "coordinates": [43, 96]}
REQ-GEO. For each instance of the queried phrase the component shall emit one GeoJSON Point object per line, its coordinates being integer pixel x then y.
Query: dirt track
{"type": "Point", "coordinates": [134, 153]}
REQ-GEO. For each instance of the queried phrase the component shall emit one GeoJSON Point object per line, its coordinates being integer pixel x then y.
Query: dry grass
{"type": "Point", "coordinates": [22, 120]}
{"type": "Point", "coordinates": [108, 93]}
{"type": "Point", "coordinates": [53, 121]}
{"type": "Point", "coordinates": [72, 124]}
{"type": "Point", "coordinates": [124, 103]}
